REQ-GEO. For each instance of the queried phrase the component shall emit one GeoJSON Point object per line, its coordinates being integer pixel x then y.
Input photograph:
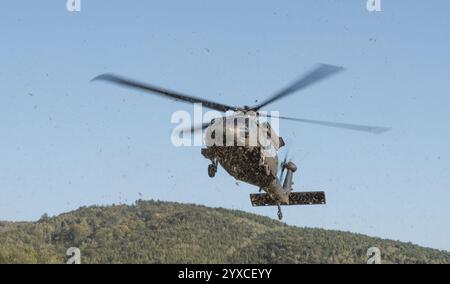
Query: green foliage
{"type": "Point", "coordinates": [165, 232]}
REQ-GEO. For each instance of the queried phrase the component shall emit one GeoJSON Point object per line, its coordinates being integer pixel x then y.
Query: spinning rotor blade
{"type": "Point", "coordinates": [321, 72]}
{"type": "Point", "coordinates": [357, 127]}
{"type": "Point", "coordinates": [195, 128]}
{"type": "Point", "coordinates": [198, 127]}
{"type": "Point", "coordinates": [162, 92]}
{"type": "Point", "coordinates": [283, 166]}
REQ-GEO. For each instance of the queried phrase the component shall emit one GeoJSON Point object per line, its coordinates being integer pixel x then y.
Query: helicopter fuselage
{"type": "Point", "coordinates": [246, 148]}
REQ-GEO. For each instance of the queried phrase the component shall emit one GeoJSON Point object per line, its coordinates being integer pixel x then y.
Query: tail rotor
{"type": "Point", "coordinates": [283, 165]}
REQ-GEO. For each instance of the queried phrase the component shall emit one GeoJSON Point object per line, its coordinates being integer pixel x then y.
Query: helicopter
{"type": "Point", "coordinates": [254, 163]}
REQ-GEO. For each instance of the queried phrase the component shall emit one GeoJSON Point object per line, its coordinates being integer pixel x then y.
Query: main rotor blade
{"type": "Point", "coordinates": [357, 127]}
{"type": "Point", "coordinates": [162, 92]}
{"type": "Point", "coordinates": [320, 72]}
{"type": "Point", "coordinates": [198, 127]}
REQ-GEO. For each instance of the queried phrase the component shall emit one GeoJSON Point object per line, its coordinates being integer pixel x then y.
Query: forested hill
{"type": "Point", "coordinates": [165, 232]}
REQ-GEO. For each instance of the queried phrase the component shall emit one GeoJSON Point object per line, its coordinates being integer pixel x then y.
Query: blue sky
{"type": "Point", "coordinates": [67, 143]}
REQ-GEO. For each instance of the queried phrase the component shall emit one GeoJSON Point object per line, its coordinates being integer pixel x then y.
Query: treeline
{"type": "Point", "coordinates": [165, 232]}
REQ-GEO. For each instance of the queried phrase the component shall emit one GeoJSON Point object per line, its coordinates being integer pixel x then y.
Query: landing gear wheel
{"type": "Point", "coordinates": [280, 214]}
{"type": "Point", "coordinates": [212, 169]}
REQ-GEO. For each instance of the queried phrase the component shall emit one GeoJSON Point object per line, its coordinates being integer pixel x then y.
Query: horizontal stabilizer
{"type": "Point", "coordinates": [295, 198]}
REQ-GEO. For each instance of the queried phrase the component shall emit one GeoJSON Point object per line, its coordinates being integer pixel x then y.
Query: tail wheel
{"type": "Point", "coordinates": [280, 214]}
{"type": "Point", "coordinates": [212, 169]}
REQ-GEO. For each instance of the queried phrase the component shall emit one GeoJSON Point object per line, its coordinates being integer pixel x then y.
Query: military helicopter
{"type": "Point", "coordinates": [256, 164]}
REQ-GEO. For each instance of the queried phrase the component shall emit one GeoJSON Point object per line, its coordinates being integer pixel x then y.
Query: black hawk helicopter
{"type": "Point", "coordinates": [256, 164]}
